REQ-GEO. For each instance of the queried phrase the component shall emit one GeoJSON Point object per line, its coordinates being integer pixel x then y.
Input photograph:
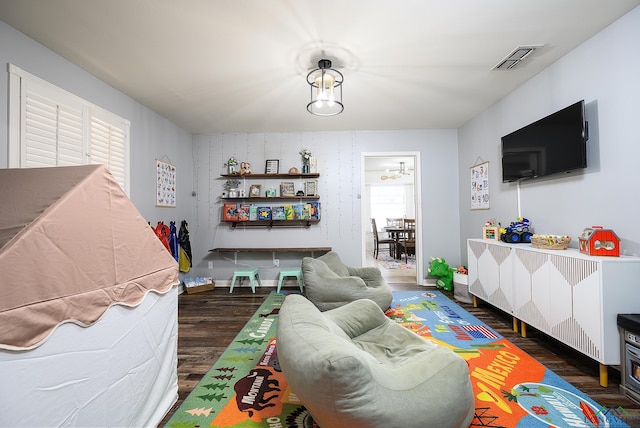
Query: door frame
{"type": "Point", "coordinates": [417, 200]}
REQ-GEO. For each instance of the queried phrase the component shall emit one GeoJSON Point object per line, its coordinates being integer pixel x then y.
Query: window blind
{"type": "Point", "coordinates": [49, 126]}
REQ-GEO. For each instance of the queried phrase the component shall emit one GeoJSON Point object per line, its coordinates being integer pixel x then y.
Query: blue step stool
{"type": "Point", "coordinates": [297, 272]}
{"type": "Point", "coordinates": [252, 273]}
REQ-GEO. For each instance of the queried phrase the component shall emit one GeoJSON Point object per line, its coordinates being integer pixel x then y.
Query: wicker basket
{"type": "Point", "coordinates": [550, 242]}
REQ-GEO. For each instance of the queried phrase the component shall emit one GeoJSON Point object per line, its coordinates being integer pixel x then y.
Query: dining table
{"type": "Point", "coordinates": [395, 233]}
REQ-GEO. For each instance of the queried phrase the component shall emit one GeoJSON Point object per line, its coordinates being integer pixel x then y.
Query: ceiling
{"type": "Point", "coordinates": [240, 65]}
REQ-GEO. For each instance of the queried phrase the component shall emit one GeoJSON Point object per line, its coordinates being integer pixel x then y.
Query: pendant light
{"type": "Point", "coordinates": [326, 90]}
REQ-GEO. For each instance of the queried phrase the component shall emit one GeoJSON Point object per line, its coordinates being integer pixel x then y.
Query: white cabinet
{"type": "Point", "coordinates": [568, 295]}
{"type": "Point", "coordinates": [491, 273]}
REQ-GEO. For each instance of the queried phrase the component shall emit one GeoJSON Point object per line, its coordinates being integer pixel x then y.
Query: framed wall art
{"type": "Point", "coordinates": [254, 190]}
{"type": "Point", "coordinates": [311, 188]}
{"type": "Point", "coordinates": [480, 186]}
{"type": "Point", "coordinates": [287, 189]}
{"type": "Point", "coordinates": [272, 166]}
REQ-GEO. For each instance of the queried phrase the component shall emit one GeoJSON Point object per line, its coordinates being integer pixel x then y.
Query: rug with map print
{"type": "Point", "coordinates": [246, 388]}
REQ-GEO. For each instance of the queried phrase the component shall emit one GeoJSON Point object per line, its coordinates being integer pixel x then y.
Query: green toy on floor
{"type": "Point", "coordinates": [443, 273]}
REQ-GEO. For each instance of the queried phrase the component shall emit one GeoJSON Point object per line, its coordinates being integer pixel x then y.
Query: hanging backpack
{"type": "Point", "coordinates": [185, 244]}
{"type": "Point", "coordinates": [173, 240]}
{"type": "Point", "coordinates": [162, 232]}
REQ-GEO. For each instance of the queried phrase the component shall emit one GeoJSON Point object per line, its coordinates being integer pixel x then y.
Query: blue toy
{"type": "Point", "coordinates": [518, 231]}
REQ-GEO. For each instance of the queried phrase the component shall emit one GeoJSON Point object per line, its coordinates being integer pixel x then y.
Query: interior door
{"type": "Point", "coordinates": [385, 169]}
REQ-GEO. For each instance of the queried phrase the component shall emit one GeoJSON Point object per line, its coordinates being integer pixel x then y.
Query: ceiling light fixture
{"type": "Point", "coordinates": [326, 90]}
{"type": "Point", "coordinates": [396, 174]}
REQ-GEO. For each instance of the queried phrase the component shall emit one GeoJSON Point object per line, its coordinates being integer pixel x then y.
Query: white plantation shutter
{"type": "Point", "coordinates": [108, 146]}
{"type": "Point", "coordinates": [52, 133]}
{"type": "Point", "coordinates": [51, 127]}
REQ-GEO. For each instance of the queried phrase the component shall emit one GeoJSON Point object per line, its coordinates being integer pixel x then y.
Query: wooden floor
{"type": "Point", "coordinates": [209, 321]}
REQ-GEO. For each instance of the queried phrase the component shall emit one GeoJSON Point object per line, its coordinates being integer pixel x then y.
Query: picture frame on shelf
{"type": "Point", "coordinates": [255, 190]}
{"type": "Point", "coordinates": [287, 189]}
{"type": "Point", "coordinates": [311, 188]}
{"type": "Point", "coordinates": [272, 166]}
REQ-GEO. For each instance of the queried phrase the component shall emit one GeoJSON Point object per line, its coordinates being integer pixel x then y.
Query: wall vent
{"type": "Point", "coordinates": [516, 57]}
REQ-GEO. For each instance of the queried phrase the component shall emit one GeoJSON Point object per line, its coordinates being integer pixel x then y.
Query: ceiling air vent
{"type": "Point", "coordinates": [516, 57]}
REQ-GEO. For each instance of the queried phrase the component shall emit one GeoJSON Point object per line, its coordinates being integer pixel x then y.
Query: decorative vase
{"type": "Point", "coordinates": [232, 169]}
{"type": "Point", "coordinates": [305, 168]}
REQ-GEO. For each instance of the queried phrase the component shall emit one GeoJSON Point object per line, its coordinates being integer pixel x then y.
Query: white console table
{"type": "Point", "coordinates": [568, 295]}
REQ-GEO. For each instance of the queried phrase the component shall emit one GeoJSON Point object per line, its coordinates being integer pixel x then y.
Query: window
{"type": "Point", "coordinates": [387, 202]}
{"type": "Point", "coordinates": [49, 126]}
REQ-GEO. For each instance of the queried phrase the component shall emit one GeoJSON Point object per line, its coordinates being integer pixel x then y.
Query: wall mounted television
{"type": "Point", "coordinates": [554, 144]}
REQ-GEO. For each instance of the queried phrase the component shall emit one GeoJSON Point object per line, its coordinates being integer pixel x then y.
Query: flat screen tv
{"type": "Point", "coordinates": [554, 144]}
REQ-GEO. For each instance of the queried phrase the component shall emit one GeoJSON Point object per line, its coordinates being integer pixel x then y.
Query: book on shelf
{"type": "Point", "coordinates": [297, 212]}
{"type": "Point", "coordinates": [243, 212]}
{"type": "Point", "coordinates": [253, 213]}
{"type": "Point", "coordinates": [277, 213]}
{"type": "Point", "coordinates": [264, 213]}
{"type": "Point", "coordinates": [230, 212]}
{"type": "Point", "coordinates": [314, 210]}
{"type": "Point", "coordinates": [288, 212]}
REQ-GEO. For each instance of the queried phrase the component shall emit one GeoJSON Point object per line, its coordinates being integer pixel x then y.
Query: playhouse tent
{"type": "Point", "coordinates": [88, 303]}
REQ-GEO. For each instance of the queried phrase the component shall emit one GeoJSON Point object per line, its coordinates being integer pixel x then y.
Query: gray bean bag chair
{"type": "Point", "coordinates": [329, 283]}
{"type": "Point", "coordinates": [353, 367]}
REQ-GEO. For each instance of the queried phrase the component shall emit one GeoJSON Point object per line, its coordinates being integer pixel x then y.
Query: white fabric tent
{"type": "Point", "coordinates": [88, 303]}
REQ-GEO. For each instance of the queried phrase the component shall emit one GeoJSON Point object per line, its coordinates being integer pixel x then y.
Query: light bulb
{"type": "Point", "coordinates": [331, 99]}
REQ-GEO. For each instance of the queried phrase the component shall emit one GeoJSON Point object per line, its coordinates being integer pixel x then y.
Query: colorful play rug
{"type": "Point", "coordinates": [245, 387]}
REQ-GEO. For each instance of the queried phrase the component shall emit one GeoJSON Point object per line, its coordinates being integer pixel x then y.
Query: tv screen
{"type": "Point", "coordinates": [551, 145]}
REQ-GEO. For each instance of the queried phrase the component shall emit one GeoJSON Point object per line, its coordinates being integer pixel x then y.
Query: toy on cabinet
{"type": "Point", "coordinates": [518, 231]}
{"type": "Point", "coordinates": [596, 241]}
{"type": "Point", "coordinates": [491, 231]}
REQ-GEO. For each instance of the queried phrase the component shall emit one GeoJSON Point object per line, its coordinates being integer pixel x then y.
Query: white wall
{"type": "Point", "coordinates": [604, 72]}
{"type": "Point", "coordinates": [152, 136]}
{"type": "Point", "coordinates": [200, 159]}
{"type": "Point", "coordinates": [338, 156]}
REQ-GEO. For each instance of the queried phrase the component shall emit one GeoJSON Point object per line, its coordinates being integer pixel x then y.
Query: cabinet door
{"type": "Point", "coordinates": [533, 294]}
{"type": "Point", "coordinates": [491, 273]}
{"type": "Point", "coordinates": [577, 281]}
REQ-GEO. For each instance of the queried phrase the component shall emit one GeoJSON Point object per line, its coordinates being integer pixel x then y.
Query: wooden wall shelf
{"type": "Point", "coordinates": [271, 250]}
{"type": "Point", "coordinates": [273, 198]}
{"type": "Point", "coordinates": [263, 176]}
{"type": "Point", "coordinates": [273, 223]}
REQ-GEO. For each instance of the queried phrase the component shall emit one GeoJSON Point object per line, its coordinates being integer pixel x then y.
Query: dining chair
{"type": "Point", "coordinates": [408, 240]}
{"type": "Point", "coordinates": [378, 242]}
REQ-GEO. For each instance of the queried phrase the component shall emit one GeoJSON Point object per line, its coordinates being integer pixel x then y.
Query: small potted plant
{"type": "Point", "coordinates": [231, 188]}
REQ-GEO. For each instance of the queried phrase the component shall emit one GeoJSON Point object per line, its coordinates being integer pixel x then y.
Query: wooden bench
{"type": "Point", "coordinates": [273, 250]}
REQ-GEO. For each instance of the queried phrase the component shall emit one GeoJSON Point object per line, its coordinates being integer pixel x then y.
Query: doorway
{"type": "Point", "coordinates": [390, 186]}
